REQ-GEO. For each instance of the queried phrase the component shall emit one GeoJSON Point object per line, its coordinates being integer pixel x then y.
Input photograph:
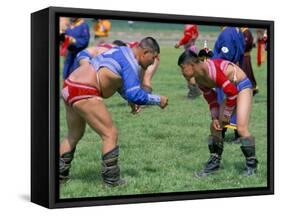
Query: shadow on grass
{"type": "Point", "coordinates": [130, 172]}
{"type": "Point", "coordinates": [150, 169]}
{"type": "Point", "coordinates": [239, 166]}
{"type": "Point", "coordinates": [121, 104]}
{"type": "Point", "coordinates": [87, 175]}
{"type": "Point", "coordinates": [230, 138]}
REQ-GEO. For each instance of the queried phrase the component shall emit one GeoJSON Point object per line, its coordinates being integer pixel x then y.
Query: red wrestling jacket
{"type": "Point", "coordinates": [217, 69]}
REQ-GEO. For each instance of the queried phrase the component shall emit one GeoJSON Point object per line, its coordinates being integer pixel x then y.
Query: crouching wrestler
{"type": "Point", "coordinates": [219, 73]}
{"type": "Point", "coordinates": [116, 70]}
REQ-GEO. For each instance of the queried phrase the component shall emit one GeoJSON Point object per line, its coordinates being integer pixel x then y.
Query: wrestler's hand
{"type": "Point", "coordinates": [225, 120]}
{"type": "Point", "coordinates": [216, 124]}
{"type": "Point", "coordinates": [72, 39]}
{"type": "Point", "coordinates": [163, 101]}
{"type": "Point", "coordinates": [135, 109]}
{"type": "Point", "coordinates": [177, 46]}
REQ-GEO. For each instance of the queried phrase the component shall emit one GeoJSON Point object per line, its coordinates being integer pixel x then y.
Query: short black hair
{"type": "Point", "coordinates": [119, 43]}
{"type": "Point", "coordinates": [188, 56]}
{"type": "Point", "coordinates": [203, 53]}
{"type": "Point", "coordinates": [150, 43]}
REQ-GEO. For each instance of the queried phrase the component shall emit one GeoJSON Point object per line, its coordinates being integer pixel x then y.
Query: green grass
{"type": "Point", "coordinates": [161, 149]}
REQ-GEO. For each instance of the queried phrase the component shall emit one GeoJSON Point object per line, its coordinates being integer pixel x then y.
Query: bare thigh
{"type": "Point", "coordinates": [76, 127]}
{"type": "Point", "coordinates": [244, 106]}
{"type": "Point", "coordinates": [95, 113]}
{"type": "Point", "coordinates": [75, 123]}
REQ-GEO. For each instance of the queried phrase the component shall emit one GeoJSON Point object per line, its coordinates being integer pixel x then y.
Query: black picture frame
{"type": "Point", "coordinates": [45, 96]}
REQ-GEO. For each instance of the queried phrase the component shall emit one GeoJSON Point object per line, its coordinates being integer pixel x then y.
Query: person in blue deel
{"type": "Point", "coordinates": [230, 45]}
{"type": "Point", "coordinates": [79, 36]}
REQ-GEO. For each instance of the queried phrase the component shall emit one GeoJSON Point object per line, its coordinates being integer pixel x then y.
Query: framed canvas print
{"type": "Point", "coordinates": [138, 107]}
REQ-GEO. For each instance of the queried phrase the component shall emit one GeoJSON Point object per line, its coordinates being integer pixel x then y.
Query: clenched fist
{"type": "Point", "coordinates": [163, 101]}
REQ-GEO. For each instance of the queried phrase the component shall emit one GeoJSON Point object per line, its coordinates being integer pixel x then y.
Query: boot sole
{"type": "Point", "coordinates": [121, 182]}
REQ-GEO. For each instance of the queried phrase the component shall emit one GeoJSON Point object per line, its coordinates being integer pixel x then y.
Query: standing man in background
{"type": "Point", "coordinates": [78, 36]}
{"type": "Point", "coordinates": [101, 30]}
{"type": "Point", "coordinates": [247, 63]}
{"type": "Point", "coordinates": [188, 39]}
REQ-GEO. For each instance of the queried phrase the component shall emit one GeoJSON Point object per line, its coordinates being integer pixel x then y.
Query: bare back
{"type": "Point", "coordinates": [95, 50]}
{"type": "Point", "coordinates": [202, 76]}
{"type": "Point", "coordinates": [109, 82]}
{"type": "Point", "coordinates": [234, 73]}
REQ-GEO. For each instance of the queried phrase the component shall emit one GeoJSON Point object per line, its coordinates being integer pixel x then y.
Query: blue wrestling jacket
{"type": "Point", "coordinates": [230, 45]}
{"type": "Point", "coordinates": [121, 61]}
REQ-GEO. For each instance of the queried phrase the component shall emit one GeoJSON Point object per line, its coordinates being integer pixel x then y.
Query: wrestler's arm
{"type": "Point", "coordinates": [231, 93]}
{"type": "Point", "coordinates": [83, 57]}
{"type": "Point", "coordinates": [211, 97]}
{"type": "Point", "coordinates": [132, 90]}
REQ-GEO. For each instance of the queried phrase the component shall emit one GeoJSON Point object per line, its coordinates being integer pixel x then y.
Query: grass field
{"type": "Point", "coordinates": [161, 149]}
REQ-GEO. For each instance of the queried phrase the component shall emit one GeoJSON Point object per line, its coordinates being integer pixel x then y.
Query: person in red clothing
{"type": "Point", "coordinates": [188, 39]}
{"type": "Point", "coordinates": [64, 41]}
{"type": "Point", "coordinates": [261, 46]}
{"type": "Point", "coordinates": [238, 90]}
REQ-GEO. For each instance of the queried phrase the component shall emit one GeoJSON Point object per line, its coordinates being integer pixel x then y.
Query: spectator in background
{"type": "Point", "coordinates": [247, 63]}
{"type": "Point", "coordinates": [64, 42]}
{"type": "Point", "coordinates": [101, 30]}
{"type": "Point", "coordinates": [230, 45]}
{"type": "Point", "coordinates": [261, 46]}
{"type": "Point", "coordinates": [188, 40]}
{"type": "Point", "coordinates": [78, 36]}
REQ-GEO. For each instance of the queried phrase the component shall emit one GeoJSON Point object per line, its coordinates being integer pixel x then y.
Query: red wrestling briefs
{"type": "Point", "coordinates": [73, 92]}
